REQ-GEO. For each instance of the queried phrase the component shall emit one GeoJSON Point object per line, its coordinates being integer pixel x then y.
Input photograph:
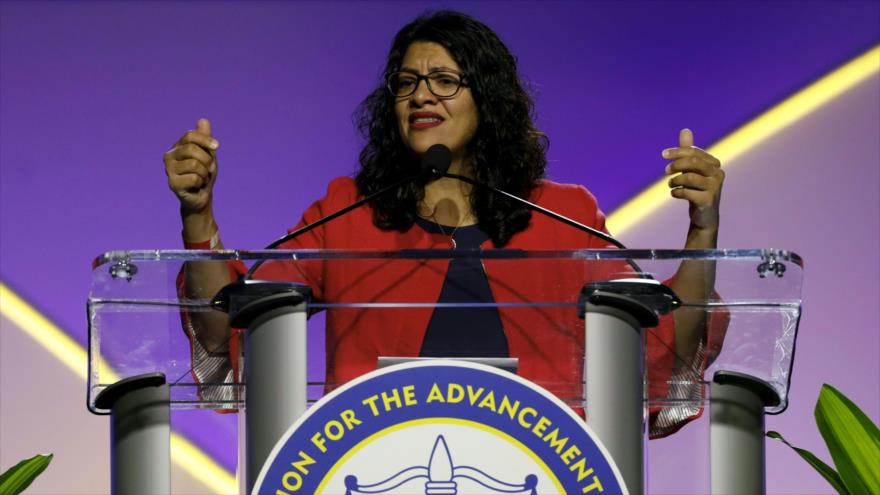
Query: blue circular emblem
{"type": "Point", "coordinates": [439, 427]}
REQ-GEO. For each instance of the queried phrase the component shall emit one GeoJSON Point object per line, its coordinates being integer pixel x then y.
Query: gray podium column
{"type": "Point", "coordinates": [614, 373]}
{"type": "Point", "coordinates": [140, 434]}
{"type": "Point", "coordinates": [614, 369]}
{"type": "Point", "coordinates": [276, 380]}
{"type": "Point", "coordinates": [737, 403]}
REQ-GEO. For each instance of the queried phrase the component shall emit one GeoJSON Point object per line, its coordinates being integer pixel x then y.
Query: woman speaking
{"type": "Point", "coordinates": [450, 80]}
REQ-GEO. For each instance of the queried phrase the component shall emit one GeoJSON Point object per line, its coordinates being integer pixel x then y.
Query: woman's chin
{"type": "Point", "coordinates": [420, 149]}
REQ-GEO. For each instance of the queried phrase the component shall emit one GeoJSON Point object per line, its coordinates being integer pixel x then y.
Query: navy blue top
{"type": "Point", "coordinates": [464, 332]}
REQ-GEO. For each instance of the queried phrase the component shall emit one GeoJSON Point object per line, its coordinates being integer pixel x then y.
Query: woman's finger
{"type": "Point", "coordinates": [190, 150]}
{"type": "Point", "coordinates": [692, 164]}
{"type": "Point", "coordinates": [190, 166]}
{"type": "Point", "coordinates": [685, 138]}
{"type": "Point", "coordinates": [693, 196]}
{"type": "Point", "coordinates": [692, 181]}
{"type": "Point", "coordinates": [693, 151]}
{"type": "Point", "coordinates": [200, 139]}
{"type": "Point", "coordinates": [181, 184]}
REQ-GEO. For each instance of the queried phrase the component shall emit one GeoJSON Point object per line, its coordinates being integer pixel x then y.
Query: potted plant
{"type": "Point", "coordinates": [853, 441]}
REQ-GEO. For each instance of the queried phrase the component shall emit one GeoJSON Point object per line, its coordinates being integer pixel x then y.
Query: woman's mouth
{"type": "Point", "coordinates": [424, 120]}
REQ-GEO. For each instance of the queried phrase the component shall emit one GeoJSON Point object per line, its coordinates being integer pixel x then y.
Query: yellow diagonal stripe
{"type": "Point", "coordinates": [201, 466]}
{"type": "Point", "coordinates": [183, 452]}
{"type": "Point", "coordinates": [46, 333]}
{"type": "Point", "coordinates": [756, 131]}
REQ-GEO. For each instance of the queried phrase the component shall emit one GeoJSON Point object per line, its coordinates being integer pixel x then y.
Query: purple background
{"type": "Point", "coordinates": [94, 93]}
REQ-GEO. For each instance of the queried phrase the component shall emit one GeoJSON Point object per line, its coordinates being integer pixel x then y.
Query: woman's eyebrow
{"type": "Point", "coordinates": [433, 68]}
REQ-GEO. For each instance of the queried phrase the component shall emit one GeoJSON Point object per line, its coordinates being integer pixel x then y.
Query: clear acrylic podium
{"type": "Point", "coordinates": [144, 324]}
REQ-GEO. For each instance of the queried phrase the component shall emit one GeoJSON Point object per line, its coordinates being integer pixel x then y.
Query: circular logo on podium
{"type": "Point", "coordinates": [439, 427]}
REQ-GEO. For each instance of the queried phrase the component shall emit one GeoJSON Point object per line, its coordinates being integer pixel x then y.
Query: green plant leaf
{"type": "Point", "coordinates": [852, 438]}
{"type": "Point", "coordinates": [825, 470]}
{"type": "Point", "coordinates": [20, 476]}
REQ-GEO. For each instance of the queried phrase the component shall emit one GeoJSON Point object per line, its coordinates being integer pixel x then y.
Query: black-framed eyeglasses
{"type": "Point", "coordinates": [442, 84]}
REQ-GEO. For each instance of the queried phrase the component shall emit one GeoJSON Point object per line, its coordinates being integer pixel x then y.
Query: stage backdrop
{"type": "Point", "coordinates": [92, 95]}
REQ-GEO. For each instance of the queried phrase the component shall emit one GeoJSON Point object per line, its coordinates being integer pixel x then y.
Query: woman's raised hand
{"type": "Point", "coordinates": [191, 167]}
{"type": "Point", "coordinates": [698, 179]}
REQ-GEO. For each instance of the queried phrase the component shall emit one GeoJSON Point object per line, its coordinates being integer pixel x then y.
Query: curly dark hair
{"type": "Point", "coordinates": [507, 150]}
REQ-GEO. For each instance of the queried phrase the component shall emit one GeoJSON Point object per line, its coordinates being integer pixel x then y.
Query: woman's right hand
{"type": "Point", "coordinates": [191, 167]}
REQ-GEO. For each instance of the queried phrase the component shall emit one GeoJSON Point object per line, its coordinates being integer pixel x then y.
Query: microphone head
{"type": "Point", "coordinates": [436, 160]}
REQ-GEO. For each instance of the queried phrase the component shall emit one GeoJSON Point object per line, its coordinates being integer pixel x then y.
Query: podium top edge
{"type": "Point", "coordinates": [410, 254]}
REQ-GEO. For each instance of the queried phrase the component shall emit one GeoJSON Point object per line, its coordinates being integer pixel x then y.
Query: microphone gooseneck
{"type": "Point", "coordinates": [434, 163]}
{"type": "Point", "coordinates": [544, 211]}
{"type": "Point", "coordinates": [540, 209]}
{"type": "Point", "coordinates": [437, 159]}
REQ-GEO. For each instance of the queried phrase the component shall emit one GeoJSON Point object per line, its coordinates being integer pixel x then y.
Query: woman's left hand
{"type": "Point", "coordinates": [698, 179]}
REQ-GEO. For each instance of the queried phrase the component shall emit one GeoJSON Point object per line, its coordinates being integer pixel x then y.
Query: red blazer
{"type": "Point", "coordinates": [549, 341]}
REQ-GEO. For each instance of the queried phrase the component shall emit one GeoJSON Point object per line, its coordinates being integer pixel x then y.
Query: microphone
{"type": "Point", "coordinates": [436, 160]}
{"type": "Point", "coordinates": [544, 211]}
{"type": "Point", "coordinates": [434, 164]}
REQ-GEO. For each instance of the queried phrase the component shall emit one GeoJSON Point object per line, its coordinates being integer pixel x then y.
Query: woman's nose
{"type": "Point", "coordinates": [422, 94]}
